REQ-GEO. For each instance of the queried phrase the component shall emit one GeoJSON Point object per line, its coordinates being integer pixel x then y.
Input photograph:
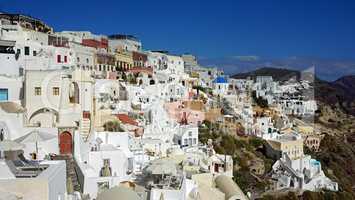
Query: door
{"type": "Point", "coordinates": [65, 143]}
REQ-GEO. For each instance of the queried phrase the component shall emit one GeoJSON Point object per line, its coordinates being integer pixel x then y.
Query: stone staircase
{"type": "Point", "coordinates": [85, 126]}
{"type": "Point", "coordinates": [71, 172]}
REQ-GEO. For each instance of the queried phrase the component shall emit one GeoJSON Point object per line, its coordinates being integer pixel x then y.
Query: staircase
{"type": "Point", "coordinates": [85, 126]}
{"type": "Point", "coordinates": [70, 168]}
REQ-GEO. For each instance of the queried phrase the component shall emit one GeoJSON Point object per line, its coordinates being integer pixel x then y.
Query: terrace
{"type": "Point", "coordinates": [21, 167]}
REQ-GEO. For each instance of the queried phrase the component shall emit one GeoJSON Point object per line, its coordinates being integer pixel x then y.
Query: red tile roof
{"type": "Point", "coordinates": [125, 119]}
{"type": "Point", "coordinates": [147, 70]}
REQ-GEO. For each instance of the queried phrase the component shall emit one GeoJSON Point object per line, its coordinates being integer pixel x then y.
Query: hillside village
{"type": "Point", "coordinates": [89, 116]}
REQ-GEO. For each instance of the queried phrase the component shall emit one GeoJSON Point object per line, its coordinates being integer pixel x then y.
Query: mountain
{"type": "Point", "coordinates": [337, 94]}
{"type": "Point", "coordinates": [326, 68]}
{"type": "Point", "coordinates": [278, 74]}
{"type": "Point", "coordinates": [347, 83]}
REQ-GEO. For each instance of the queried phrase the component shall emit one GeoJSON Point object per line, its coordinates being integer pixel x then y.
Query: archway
{"type": "Point", "coordinates": [65, 143]}
{"type": "Point", "coordinates": [45, 110]}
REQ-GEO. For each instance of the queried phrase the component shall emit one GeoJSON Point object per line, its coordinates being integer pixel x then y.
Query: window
{"type": "Point", "coordinates": [106, 162]}
{"type": "Point", "coordinates": [106, 169]}
{"type": "Point", "coordinates": [56, 91]}
{"type": "Point", "coordinates": [34, 53]}
{"type": "Point", "coordinates": [27, 51]}
{"type": "Point", "coordinates": [195, 141]}
{"type": "Point", "coordinates": [18, 51]}
{"type": "Point", "coordinates": [78, 59]}
{"type": "Point", "coordinates": [59, 59]}
{"type": "Point", "coordinates": [4, 93]}
{"type": "Point", "coordinates": [87, 60]}
{"type": "Point", "coordinates": [65, 59]}
{"type": "Point", "coordinates": [38, 91]}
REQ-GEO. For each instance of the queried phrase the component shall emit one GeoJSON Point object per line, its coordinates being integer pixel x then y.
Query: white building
{"type": "Point", "coordinates": [304, 173]}
{"type": "Point", "coordinates": [48, 184]}
{"type": "Point", "coordinates": [162, 61]}
{"type": "Point", "coordinates": [34, 50]}
{"type": "Point", "coordinates": [103, 161]}
{"type": "Point", "coordinates": [121, 42]}
{"type": "Point", "coordinates": [220, 86]}
{"type": "Point", "coordinates": [187, 136]}
{"type": "Point", "coordinates": [8, 59]}
{"type": "Point", "coordinates": [296, 106]}
{"type": "Point", "coordinates": [11, 88]}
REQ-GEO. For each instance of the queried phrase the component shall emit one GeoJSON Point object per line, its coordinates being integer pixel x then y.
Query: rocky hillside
{"type": "Point", "coordinates": [337, 121]}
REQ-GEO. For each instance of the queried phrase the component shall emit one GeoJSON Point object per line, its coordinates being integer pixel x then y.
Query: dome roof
{"type": "Point", "coordinates": [220, 79]}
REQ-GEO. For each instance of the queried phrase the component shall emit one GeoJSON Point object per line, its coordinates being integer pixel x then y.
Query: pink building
{"type": "Point", "coordinates": [176, 110]}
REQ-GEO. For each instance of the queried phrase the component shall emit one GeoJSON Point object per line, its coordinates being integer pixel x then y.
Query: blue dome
{"type": "Point", "coordinates": [220, 79]}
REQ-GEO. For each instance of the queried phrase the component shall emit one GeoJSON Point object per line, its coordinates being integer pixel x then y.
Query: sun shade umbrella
{"type": "Point", "coordinates": [35, 136]}
{"type": "Point", "coordinates": [9, 145]}
{"type": "Point", "coordinates": [162, 167]}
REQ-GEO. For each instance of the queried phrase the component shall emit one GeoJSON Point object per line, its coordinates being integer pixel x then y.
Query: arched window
{"type": "Point", "coordinates": [1, 134]}
{"type": "Point", "coordinates": [74, 93]}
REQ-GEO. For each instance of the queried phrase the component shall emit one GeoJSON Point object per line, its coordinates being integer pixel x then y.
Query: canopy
{"type": "Point", "coordinates": [118, 192]}
{"type": "Point", "coordinates": [9, 145]}
{"type": "Point", "coordinates": [35, 137]}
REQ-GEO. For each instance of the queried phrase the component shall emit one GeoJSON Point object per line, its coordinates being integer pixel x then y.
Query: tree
{"type": "Point", "coordinates": [132, 79]}
{"type": "Point", "coordinates": [228, 144]}
{"type": "Point", "coordinates": [256, 142]}
{"type": "Point", "coordinates": [113, 126]}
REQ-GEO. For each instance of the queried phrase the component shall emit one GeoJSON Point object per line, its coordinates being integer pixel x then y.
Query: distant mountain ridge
{"type": "Point", "coordinates": [329, 69]}
{"type": "Point", "coordinates": [339, 93]}
{"type": "Point", "coordinates": [278, 74]}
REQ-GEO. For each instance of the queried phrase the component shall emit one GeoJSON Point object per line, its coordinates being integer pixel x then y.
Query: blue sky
{"type": "Point", "coordinates": [299, 32]}
{"type": "Point", "coordinates": [267, 28]}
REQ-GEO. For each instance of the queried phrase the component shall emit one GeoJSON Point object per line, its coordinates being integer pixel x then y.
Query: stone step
{"type": "Point", "coordinates": [70, 167]}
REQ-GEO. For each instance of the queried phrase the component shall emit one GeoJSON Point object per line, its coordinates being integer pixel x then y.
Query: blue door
{"type": "Point", "coordinates": [4, 94]}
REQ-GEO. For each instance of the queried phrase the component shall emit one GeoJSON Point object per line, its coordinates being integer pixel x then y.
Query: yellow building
{"type": "Point", "coordinates": [124, 59]}
{"type": "Point", "coordinates": [306, 130]}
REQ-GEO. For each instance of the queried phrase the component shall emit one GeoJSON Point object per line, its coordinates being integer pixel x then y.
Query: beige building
{"type": "Point", "coordinates": [311, 136]}
{"type": "Point", "coordinates": [313, 142]}
{"type": "Point", "coordinates": [291, 144]}
{"type": "Point", "coordinates": [58, 98]}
